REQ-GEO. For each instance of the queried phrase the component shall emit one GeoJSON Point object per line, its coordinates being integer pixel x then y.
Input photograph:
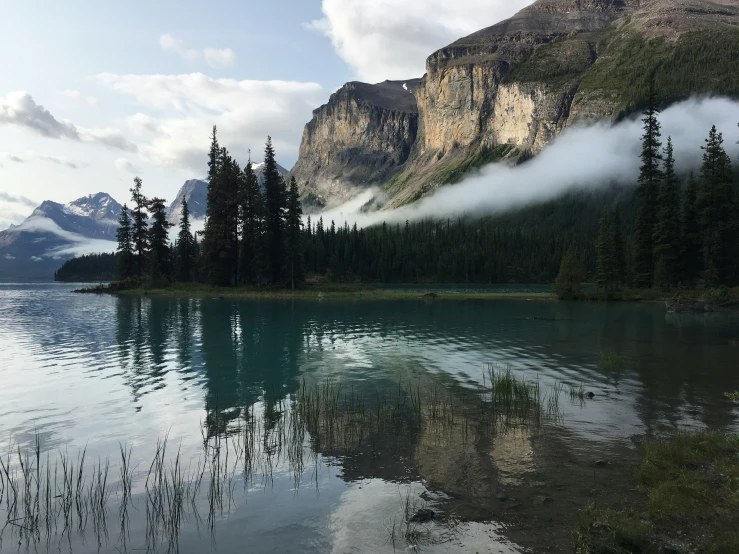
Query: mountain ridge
{"type": "Point", "coordinates": [509, 89]}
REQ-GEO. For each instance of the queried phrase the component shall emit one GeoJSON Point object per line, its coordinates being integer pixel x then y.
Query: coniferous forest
{"type": "Point", "coordinates": [672, 230]}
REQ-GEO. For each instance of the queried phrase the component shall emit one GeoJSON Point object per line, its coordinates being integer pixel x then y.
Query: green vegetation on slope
{"type": "Point", "coordinates": [691, 498]}
{"type": "Point", "coordinates": [699, 62]}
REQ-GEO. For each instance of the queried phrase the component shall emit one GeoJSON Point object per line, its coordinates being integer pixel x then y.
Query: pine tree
{"type": "Point", "coordinates": [140, 234]}
{"type": "Point", "coordinates": [293, 232]}
{"type": "Point", "coordinates": [220, 237]}
{"type": "Point", "coordinates": [125, 267]}
{"type": "Point", "coordinates": [252, 214]}
{"type": "Point", "coordinates": [570, 276]}
{"type": "Point", "coordinates": [619, 250]}
{"type": "Point", "coordinates": [185, 247]}
{"type": "Point", "coordinates": [606, 258]}
{"type": "Point", "coordinates": [667, 239]}
{"type": "Point", "coordinates": [649, 180]}
{"type": "Point", "coordinates": [691, 262]}
{"type": "Point", "coordinates": [160, 259]}
{"type": "Point", "coordinates": [717, 211]}
{"type": "Point", "coordinates": [275, 198]}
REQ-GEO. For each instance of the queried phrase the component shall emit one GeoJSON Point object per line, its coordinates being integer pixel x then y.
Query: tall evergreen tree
{"type": "Point", "coordinates": [293, 235]}
{"type": "Point", "coordinates": [691, 262]}
{"type": "Point", "coordinates": [619, 250]}
{"type": "Point", "coordinates": [185, 247]}
{"type": "Point", "coordinates": [125, 266]}
{"type": "Point", "coordinates": [140, 234]}
{"type": "Point", "coordinates": [161, 254]}
{"type": "Point", "coordinates": [717, 211]}
{"type": "Point", "coordinates": [220, 237]}
{"type": "Point", "coordinates": [251, 257]}
{"type": "Point", "coordinates": [667, 239]}
{"type": "Point", "coordinates": [606, 258]}
{"type": "Point", "coordinates": [275, 199]}
{"type": "Point", "coordinates": [649, 179]}
{"type": "Point", "coordinates": [570, 276]}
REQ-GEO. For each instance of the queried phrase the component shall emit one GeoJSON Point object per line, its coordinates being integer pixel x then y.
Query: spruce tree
{"type": "Point", "coordinates": [140, 234]}
{"type": "Point", "coordinates": [125, 266]}
{"type": "Point", "coordinates": [691, 261]}
{"type": "Point", "coordinates": [220, 236]}
{"type": "Point", "coordinates": [185, 247]}
{"type": "Point", "coordinates": [160, 258]}
{"type": "Point", "coordinates": [650, 177]}
{"type": "Point", "coordinates": [619, 250]}
{"type": "Point", "coordinates": [667, 240]}
{"type": "Point", "coordinates": [717, 211]}
{"type": "Point", "coordinates": [570, 276]}
{"type": "Point", "coordinates": [275, 198]}
{"type": "Point", "coordinates": [293, 232]}
{"type": "Point", "coordinates": [606, 259]}
{"type": "Point", "coordinates": [251, 257]}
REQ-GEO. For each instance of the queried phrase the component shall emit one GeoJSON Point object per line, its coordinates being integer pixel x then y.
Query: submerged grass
{"type": "Point", "coordinates": [691, 500]}
{"type": "Point", "coordinates": [58, 493]}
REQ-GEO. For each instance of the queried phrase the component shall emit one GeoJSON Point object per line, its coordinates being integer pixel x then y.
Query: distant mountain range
{"type": "Point", "coordinates": [57, 232]}
{"type": "Point", "coordinates": [195, 191]}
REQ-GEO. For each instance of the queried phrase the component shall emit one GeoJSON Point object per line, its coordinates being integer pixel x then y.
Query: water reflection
{"type": "Point", "coordinates": [102, 371]}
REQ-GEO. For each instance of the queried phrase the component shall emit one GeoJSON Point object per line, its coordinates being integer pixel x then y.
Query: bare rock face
{"type": "Point", "coordinates": [362, 136]}
{"type": "Point", "coordinates": [518, 84]}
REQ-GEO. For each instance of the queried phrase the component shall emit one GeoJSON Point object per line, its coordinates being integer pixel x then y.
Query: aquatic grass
{"type": "Point", "coordinates": [610, 360]}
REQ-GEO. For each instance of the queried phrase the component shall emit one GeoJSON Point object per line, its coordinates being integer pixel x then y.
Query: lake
{"type": "Point", "coordinates": [199, 425]}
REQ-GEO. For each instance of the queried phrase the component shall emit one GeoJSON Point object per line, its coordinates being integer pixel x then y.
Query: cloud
{"type": "Point", "coordinates": [113, 138]}
{"type": "Point", "coordinates": [20, 109]}
{"type": "Point", "coordinates": [16, 199]}
{"type": "Point", "coordinates": [31, 156]}
{"type": "Point", "coordinates": [583, 157]}
{"type": "Point", "coordinates": [126, 165]}
{"type": "Point", "coordinates": [78, 244]}
{"type": "Point", "coordinates": [214, 57]}
{"type": "Point", "coordinates": [224, 57]}
{"type": "Point", "coordinates": [391, 39]}
{"type": "Point", "coordinates": [78, 97]}
{"type": "Point", "coordinates": [246, 112]}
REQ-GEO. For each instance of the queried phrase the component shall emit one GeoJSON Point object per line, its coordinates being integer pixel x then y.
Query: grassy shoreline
{"type": "Point", "coordinates": [690, 496]}
{"type": "Point", "coordinates": [322, 292]}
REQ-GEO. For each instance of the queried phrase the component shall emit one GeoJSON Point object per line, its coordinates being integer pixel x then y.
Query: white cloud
{"type": "Point", "coordinates": [78, 244]}
{"type": "Point", "coordinates": [16, 199]}
{"type": "Point", "coordinates": [78, 97]}
{"type": "Point", "coordinates": [391, 39]}
{"type": "Point", "coordinates": [126, 165]}
{"type": "Point", "coordinates": [246, 112]}
{"type": "Point", "coordinates": [175, 46]}
{"type": "Point", "coordinates": [31, 156]}
{"type": "Point", "coordinates": [21, 110]}
{"type": "Point", "coordinates": [224, 57]}
{"type": "Point", "coordinates": [214, 57]}
{"type": "Point", "coordinates": [583, 157]}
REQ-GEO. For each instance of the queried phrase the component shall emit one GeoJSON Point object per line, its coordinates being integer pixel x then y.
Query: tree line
{"type": "Point", "coordinates": [686, 231]}
{"type": "Point", "coordinates": [251, 236]}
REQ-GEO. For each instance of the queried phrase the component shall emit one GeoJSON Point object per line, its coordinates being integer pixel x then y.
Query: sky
{"type": "Point", "coordinates": [94, 93]}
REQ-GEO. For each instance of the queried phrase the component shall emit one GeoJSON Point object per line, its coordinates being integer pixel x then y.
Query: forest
{"type": "Point", "coordinates": [669, 230]}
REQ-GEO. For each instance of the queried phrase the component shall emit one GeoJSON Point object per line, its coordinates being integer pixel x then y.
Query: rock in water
{"type": "Point", "coordinates": [424, 515]}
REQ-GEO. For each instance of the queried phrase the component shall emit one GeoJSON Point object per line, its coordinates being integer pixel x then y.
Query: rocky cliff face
{"type": "Point", "coordinates": [362, 136]}
{"type": "Point", "coordinates": [518, 84]}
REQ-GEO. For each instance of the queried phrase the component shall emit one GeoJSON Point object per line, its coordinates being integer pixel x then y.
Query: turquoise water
{"type": "Point", "coordinates": [98, 372]}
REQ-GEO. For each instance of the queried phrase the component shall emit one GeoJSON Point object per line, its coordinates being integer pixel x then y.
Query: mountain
{"type": "Point", "coordinates": [56, 232]}
{"type": "Point", "coordinates": [195, 191]}
{"type": "Point", "coordinates": [510, 89]}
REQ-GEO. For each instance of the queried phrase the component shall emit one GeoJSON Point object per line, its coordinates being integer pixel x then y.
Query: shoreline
{"type": "Point", "coordinates": [324, 293]}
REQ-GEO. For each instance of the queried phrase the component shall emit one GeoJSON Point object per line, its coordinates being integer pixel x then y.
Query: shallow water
{"type": "Point", "coordinates": [98, 372]}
